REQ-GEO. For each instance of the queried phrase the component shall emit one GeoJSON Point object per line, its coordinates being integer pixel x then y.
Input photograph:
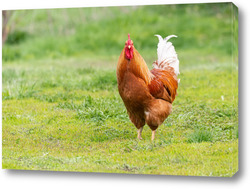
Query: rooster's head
{"type": "Point", "coordinates": [129, 48]}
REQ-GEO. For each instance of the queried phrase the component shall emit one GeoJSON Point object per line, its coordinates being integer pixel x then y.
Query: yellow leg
{"type": "Point", "coordinates": [139, 133]}
{"type": "Point", "coordinates": [153, 135]}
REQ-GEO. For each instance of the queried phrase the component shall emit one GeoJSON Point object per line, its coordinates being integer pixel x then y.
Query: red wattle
{"type": "Point", "coordinates": [129, 53]}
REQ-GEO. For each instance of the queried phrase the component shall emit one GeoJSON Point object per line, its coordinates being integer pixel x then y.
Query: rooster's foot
{"type": "Point", "coordinates": [139, 133]}
{"type": "Point", "coordinates": [153, 135]}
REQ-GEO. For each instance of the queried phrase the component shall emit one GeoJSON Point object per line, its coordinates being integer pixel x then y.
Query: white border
{"type": "Point", "coordinates": [60, 180]}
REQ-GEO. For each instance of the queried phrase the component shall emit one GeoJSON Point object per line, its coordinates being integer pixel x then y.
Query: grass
{"type": "Point", "coordinates": [62, 111]}
{"type": "Point", "coordinates": [81, 32]}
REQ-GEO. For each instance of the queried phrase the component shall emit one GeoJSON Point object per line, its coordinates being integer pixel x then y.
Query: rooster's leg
{"type": "Point", "coordinates": [153, 135]}
{"type": "Point", "coordinates": [139, 133]}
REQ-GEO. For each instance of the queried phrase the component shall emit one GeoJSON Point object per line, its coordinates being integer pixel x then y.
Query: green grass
{"type": "Point", "coordinates": [60, 33]}
{"type": "Point", "coordinates": [62, 110]}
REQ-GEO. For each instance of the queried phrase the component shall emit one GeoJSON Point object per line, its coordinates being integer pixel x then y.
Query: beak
{"type": "Point", "coordinates": [129, 47]}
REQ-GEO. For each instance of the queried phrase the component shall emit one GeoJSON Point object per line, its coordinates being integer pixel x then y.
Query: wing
{"type": "Point", "coordinates": [164, 84]}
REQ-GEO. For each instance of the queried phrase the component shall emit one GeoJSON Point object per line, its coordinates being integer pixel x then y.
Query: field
{"type": "Point", "coordinates": [61, 109]}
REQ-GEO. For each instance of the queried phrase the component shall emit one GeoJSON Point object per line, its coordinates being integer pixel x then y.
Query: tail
{"type": "Point", "coordinates": [167, 56]}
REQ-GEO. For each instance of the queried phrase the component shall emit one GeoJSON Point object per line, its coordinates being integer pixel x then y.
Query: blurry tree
{"type": "Point", "coordinates": [5, 26]}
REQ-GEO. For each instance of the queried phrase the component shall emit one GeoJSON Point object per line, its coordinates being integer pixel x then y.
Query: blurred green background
{"type": "Point", "coordinates": [92, 32]}
{"type": "Point", "coordinates": [62, 110]}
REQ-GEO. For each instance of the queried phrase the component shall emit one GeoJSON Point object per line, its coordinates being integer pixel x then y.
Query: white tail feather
{"type": "Point", "coordinates": [166, 55]}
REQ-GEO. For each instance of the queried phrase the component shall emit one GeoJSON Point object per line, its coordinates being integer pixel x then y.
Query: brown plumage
{"type": "Point", "coordinates": [147, 95]}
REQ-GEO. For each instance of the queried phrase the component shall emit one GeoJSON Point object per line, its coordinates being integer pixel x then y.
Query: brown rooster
{"type": "Point", "coordinates": [148, 95]}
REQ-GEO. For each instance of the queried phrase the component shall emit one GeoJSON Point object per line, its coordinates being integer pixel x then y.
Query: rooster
{"type": "Point", "coordinates": [148, 95]}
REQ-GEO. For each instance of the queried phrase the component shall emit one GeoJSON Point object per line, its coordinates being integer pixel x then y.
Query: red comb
{"type": "Point", "coordinates": [128, 36]}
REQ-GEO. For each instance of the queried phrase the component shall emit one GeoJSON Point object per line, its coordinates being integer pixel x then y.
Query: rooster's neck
{"type": "Point", "coordinates": [138, 66]}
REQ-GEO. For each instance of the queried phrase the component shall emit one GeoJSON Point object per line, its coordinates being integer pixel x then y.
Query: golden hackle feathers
{"type": "Point", "coordinates": [139, 67]}
{"type": "Point", "coordinates": [136, 65]}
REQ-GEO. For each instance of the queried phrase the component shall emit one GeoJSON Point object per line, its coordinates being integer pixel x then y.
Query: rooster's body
{"type": "Point", "coordinates": [148, 95]}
